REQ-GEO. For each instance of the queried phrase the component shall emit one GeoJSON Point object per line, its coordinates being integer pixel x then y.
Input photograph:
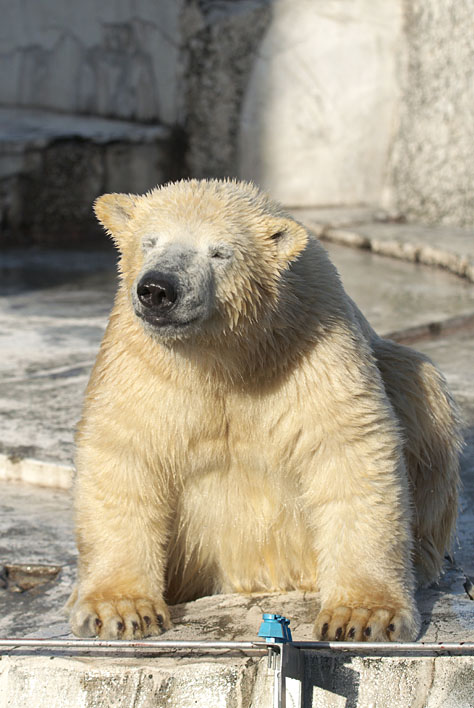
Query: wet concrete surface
{"type": "Point", "coordinates": [50, 332]}
{"type": "Point", "coordinates": [36, 529]}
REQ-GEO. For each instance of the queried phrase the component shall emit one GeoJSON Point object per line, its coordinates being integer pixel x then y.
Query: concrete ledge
{"type": "Point", "coordinates": [53, 166]}
{"type": "Point", "coordinates": [398, 682]}
{"type": "Point", "coordinates": [380, 233]}
{"type": "Point", "coordinates": [38, 128]}
{"type": "Point", "coordinates": [56, 682]}
{"type": "Point", "coordinates": [30, 471]}
{"type": "Point", "coordinates": [204, 682]}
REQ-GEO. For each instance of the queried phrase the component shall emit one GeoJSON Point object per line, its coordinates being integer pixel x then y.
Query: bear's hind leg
{"type": "Point", "coordinates": [430, 427]}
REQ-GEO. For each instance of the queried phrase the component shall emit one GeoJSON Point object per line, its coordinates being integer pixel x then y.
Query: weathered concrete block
{"type": "Point", "coordinates": [58, 194]}
{"type": "Point", "coordinates": [53, 166]}
{"type": "Point", "coordinates": [115, 59]}
{"type": "Point", "coordinates": [57, 682]}
{"type": "Point", "coordinates": [342, 102]}
{"type": "Point", "coordinates": [220, 41]}
{"type": "Point", "coordinates": [398, 682]}
{"type": "Point", "coordinates": [432, 165]}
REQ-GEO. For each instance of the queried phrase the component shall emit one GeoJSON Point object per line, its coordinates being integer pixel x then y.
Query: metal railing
{"type": "Point", "coordinates": [286, 659]}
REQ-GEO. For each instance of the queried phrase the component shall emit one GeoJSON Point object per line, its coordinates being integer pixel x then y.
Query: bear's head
{"type": "Point", "coordinates": [203, 258]}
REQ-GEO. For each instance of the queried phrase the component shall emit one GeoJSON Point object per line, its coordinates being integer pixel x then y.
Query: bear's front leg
{"type": "Point", "coordinates": [121, 535]}
{"type": "Point", "coordinates": [361, 515]}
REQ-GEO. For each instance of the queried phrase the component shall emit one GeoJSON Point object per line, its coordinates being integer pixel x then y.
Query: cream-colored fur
{"type": "Point", "coordinates": [261, 444]}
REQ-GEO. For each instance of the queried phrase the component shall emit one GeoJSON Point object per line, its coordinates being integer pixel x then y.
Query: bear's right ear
{"type": "Point", "coordinates": [114, 212]}
{"type": "Point", "coordinates": [289, 238]}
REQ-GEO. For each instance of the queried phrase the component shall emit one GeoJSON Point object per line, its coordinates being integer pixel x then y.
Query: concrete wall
{"type": "Point", "coordinates": [116, 58]}
{"type": "Point", "coordinates": [321, 105]}
{"type": "Point", "coordinates": [431, 170]}
{"type": "Point", "coordinates": [322, 102]}
{"type": "Point", "coordinates": [221, 47]}
{"type": "Point", "coordinates": [343, 102]}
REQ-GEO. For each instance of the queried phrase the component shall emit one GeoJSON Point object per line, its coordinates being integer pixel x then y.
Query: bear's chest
{"type": "Point", "coordinates": [234, 434]}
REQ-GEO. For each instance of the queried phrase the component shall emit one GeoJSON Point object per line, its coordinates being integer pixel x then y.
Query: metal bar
{"type": "Point", "coordinates": [387, 648]}
{"type": "Point", "coordinates": [279, 691]}
{"type": "Point", "coordinates": [128, 644]}
{"type": "Point", "coordinates": [380, 648]}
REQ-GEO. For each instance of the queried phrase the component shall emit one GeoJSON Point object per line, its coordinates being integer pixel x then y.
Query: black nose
{"type": "Point", "coordinates": [157, 291]}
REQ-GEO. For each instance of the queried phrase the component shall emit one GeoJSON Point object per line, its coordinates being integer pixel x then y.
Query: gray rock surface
{"type": "Point", "coordinates": [62, 301]}
{"type": "Point", "coordinates": [344, 102]}
{"type": "Point", "coordinates": [320, 108]}
{"type": "Point", "coordinates": [53, 166]}
{"type": "Point", "coordinates": [117, 59]}
{"type": "Point", "coordinates": [36, 530]}
{"type": "Point", "coordinates": [220, 42]}
{"type": "Point", "coordinates": [431, 165]}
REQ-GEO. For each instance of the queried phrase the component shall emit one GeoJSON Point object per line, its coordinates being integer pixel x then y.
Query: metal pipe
{"type": "Point", "coordinates": [128, 644]}
{"type": "Point", "coordinates": [387, 648]}
{"type": "Point", "coordinates": [378, 648]}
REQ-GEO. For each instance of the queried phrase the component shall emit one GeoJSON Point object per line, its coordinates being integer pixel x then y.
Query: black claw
{"type": "Point", "coordinates": [367, 631]}
{"type": "Point", "coordinates": [147, 620]}
{"type": "Point", "coordinates": [120, 627]}
{"type": "Point", "coordinates": [135, 625]}
{"type": "Point", "coordinates": [97, 623]}
{"type": "Point", "coordinates": [338, 632]}
{"type": "Point", "coordinates": [391, 627]}
{"type": "Point", "coordinates": [324, 629]}
{"type": "Point", "coordinates": [159, 619]}
{"type": "Point", "coordinates": [351, 632]}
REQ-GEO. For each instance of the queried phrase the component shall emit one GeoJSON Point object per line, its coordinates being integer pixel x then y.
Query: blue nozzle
{"type": "Point", "coordinates": [275, 628]}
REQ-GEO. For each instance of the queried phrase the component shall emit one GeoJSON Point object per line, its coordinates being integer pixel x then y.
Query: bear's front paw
{"type": "Point", "coordinates": [356, 624]}
{"type": "Point", "coordinates": [119, 618]}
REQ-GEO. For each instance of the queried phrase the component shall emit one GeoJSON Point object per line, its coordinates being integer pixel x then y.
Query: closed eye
{"type": "Point", "coordinates": [149, 243]}
{"type": "Point", "coordinates": [223, 252]}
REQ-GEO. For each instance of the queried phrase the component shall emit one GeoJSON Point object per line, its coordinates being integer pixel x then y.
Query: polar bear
{"type": "Point", "coordinates": [245, 429]}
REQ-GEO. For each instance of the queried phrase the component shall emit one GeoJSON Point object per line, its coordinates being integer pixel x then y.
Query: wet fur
{"type": "Point", "coordinates": [277, 444]}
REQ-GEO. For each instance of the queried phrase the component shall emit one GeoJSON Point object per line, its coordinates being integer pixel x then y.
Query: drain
{"type": "Point", "coordinates": [18, 577]}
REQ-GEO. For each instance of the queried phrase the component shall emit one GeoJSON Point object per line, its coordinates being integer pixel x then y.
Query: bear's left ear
{"type": "Point", "coordinates": [114, 211]}
{"type": "Point", "coordinates": [288, 237]}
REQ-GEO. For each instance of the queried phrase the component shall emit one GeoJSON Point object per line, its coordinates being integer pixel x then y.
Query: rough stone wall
{"type": "Point", "coordinates": [220, 40]}
{"type": "Point", "coordinates": [336, 102]}
{"type": "Point", "coordinates": [118, 58]}
{"type": "Point", "coordinates": [52, 199]}
{"type": "Point", "coordinates": [53, 166]}
{"type": "Point", "coordinates": [432, 165]}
